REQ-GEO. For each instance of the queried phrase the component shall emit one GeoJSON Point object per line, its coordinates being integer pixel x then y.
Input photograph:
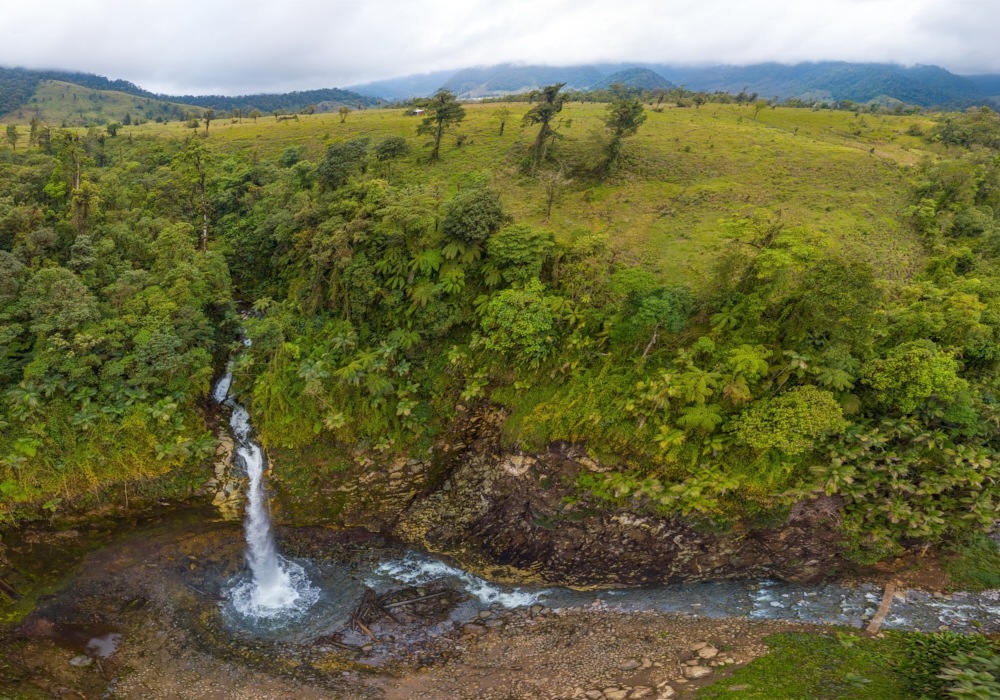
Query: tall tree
{"type": "Point", "coordinates": [343, 112]}
{"type": "Point", "coordinates": [502, 116]}
{"type": "Point", "coordinates": [194, 162]}
{"type": "Point", "coordinates": [441, 111]}
{"type": "Point", "coordinates": [549, 105]}
{"type": "Point", "coordinates": [12, 136]}
{"type": "Point", "coordinates": [254, 113]}
{"type": "Point", "coordinates": [209, 116]}
{"type": "Point", "coordinates": [623, 118]}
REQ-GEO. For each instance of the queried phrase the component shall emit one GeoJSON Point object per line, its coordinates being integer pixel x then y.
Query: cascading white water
{"type": "Point", "coordinates": [277, 587]}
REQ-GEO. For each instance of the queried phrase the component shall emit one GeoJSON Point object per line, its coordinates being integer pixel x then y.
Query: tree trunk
{"type": "Point", "coordinates": [437, 140]}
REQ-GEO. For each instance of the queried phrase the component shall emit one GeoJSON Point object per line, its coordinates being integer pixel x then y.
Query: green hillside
{"type": "Point", "coordinates": [734, 307]}
{"type": "Point", "coordinates": [60, 103]}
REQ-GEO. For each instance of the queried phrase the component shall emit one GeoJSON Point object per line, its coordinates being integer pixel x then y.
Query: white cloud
{"type": "Point", "coordinates": [253, 45]}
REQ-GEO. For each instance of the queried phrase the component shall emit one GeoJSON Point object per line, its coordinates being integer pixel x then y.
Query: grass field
{"type": "Point", "coordinates": [694, 168]}
{"type": "Point", "coordinates": [838, 174]}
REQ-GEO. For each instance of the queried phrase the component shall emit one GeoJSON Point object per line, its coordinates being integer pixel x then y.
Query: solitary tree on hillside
{"type": "Point", "coordinates": [553, 183]}
{"type": "Point", "coordinates": [757, 106]}
{"type": "Point", "coordinates": [550, 104]}
{"type": "Point", "coordinates": [113, 129]}
{"type": "Point", "coordinates": [441, 112]}
{"type": "Point", "coordinates": [501, 115]}
{"type": "Point", "coordinates": [238, 114]}
{"type": "Point", "coordinates": [12, 136]}
{"type": "Point", "coordinates": [698, 99]}
{"type": "Point", "coordinates": [33, 134]}
{"type": "Point", "coordinates": [623, 118]}
{"type": "Point", "coordinates": [343, 112]}
{"type": "Point", "coordinates": [254, 113]}
{"type": "Point", "coordinates": [209, 116]}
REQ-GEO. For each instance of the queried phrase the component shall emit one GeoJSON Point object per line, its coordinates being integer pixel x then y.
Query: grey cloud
{"type": "Point", "coordinates": [253, 46]}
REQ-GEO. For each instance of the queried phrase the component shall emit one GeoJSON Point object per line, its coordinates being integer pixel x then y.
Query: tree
{"type": "Point", "coordinates": [757, 106]}
{"type": "Point", "coordinates": [502, 116]}
{"type": "Point", "coordinates": [698, 99]}
{"type": "Point", "coordinates": [113, 129]}
{"type": "Point", "coordinates": [276, 114]}
{"type": "Point", "coordinates": [442, 110]}
{"type": "Point", "coordinates": [238, 114]}
{"type": "Point", "coordinates": [343, 112]}
{"type": "Point", "coordinates": [127, 121]}
{"type": "Point", "coordinates": [340, 162]}
{"type": "Point", "coordinates": [310, 109]}
{"type": "Point", "coordinates": [12, 135]}
{"type": "Point", "coordinates": [553, 183]}
{"type": "Point", "coordinates": [33, 134]}
{"type": "Point", "coordinates": [543, 113]}
{"type": "Point", "coordinates": [194, 162]}
{"type": "Point", "coordinates": [254, 113]}
{"type": "Point", "coordinates": [389, 149]}
{"type": "Point", "coordinates": [209, 116]}
{"type": "Point", "coordinates": [623, 118]}
{"type": "Point", "coordinates": [519, 251]}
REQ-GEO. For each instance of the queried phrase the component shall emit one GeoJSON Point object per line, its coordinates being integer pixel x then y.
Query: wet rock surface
{"type": "Point", "coordinates": [504, 514]}
{"type": "Point", "coordinates": [151, 603]}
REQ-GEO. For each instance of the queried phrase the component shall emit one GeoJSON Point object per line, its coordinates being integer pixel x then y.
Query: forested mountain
{"type": "Point", "coordinates": [861, 82]}
{"type": "Point", "coordinates": [641, 78]}
{"type": "Point", "coordinates": [19, 86]}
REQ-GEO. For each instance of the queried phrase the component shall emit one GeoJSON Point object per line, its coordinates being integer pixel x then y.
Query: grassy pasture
{"type": "Point", "coordinates": [838, 174]}
{"type": "Point", "coordinates": [691, 169]}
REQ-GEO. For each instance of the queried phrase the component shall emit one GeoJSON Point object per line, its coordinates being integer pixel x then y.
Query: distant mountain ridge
{"type": "Point", "coordinates": [17, 85]}
{"type": "Point", "coordinates": [831, 80]}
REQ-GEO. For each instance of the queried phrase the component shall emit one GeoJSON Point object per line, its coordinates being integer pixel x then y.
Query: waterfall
{"type": "Point", "coordinates": [277, 587]}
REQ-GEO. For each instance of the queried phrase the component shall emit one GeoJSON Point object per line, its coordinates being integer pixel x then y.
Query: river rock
{"type": "Point", "coordinates": [615, 694]}
{"type": "Point", "coordinates": [630, 665]}
{"type": "Point", "coordinates": [476, 630]}
{"type": "Point", "coordinates": [640, 692]}
{"type": "Point", "coordinates": [81, 661]}
{"type": "Point", "coordinates": [666, 693]}
{"type": "Point", "coordinates": [693, 672]}
{"type": "Point", "coordinates": [708, 652]}
{"type": "Point", "coordinates": [594, 694]}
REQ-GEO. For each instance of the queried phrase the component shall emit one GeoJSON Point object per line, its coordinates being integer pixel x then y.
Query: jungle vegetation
{"type": "Point", "coordinates": [741, 345]}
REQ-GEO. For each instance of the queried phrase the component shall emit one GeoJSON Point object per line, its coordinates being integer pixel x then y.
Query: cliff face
{"type": "Point", "coordinates": [502, 514]}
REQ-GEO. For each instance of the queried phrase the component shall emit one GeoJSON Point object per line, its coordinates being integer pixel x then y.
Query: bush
{"type": "Point", "coordinates": [927, 655]}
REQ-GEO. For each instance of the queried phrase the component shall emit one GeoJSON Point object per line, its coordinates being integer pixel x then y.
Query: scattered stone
{"type": "Point", "coordinates": [476, 630]}
{"type": "Point", "coordinates": [594, 694]}
{"type": "Point", "coordinates": [494, 623]}
{"type": "Point", "coordinates": [615, 694]}
{"type": "Point", "coordinates": [81, 661]}
{"type": "Point", "coordinates": [708, 652]}
{"type": "Point", "coordinates": [646, 663]}
{"type": "Point", "coordinates": [485, 614]}
{"type": "Point", "coordinates": [640, 692]}
{"type": "Point", "coordinates": [535, 609]}
{"type": "Point", "coordinates": [693, 672]}
{"type": "Point", "coordinates": [666, 692]}
{"type": "Point", "coordinates": [698, 646]}
{"type": "Point", "coordinates": [629, 665]}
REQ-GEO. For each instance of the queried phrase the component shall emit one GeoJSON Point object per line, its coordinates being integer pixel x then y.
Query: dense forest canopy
{"type": "Point", "coordinates": [384, 304]}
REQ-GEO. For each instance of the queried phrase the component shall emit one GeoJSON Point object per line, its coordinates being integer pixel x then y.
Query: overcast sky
{"type": "Point", "coordinates": [214, 47]}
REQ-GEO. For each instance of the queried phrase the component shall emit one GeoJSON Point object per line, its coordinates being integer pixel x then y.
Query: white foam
{"type": "Point", "coordinates": [414, 570]}
{"type": "Point", "coordinates": [221, 390]}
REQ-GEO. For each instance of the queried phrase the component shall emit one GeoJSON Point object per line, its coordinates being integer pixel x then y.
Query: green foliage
{"type": "Point", "coordinates": [928, 657]}
{"type": "Point", "coordinates": [912, 373]}
{"type": "Point", "coordinates": [975, 564]}
{"type": "Point", "coordinates": [341, 161]}
{"type": "Point", "coordinates": [519, 324]}
{"type": "Point", "coordinates": [519, 251]}
{"type": "Point", "coordinates": [803, 665]}
{"type": "Point", "coordinates": [792, 421]}
{"type": "Point", "coordinates": [473, 216]}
